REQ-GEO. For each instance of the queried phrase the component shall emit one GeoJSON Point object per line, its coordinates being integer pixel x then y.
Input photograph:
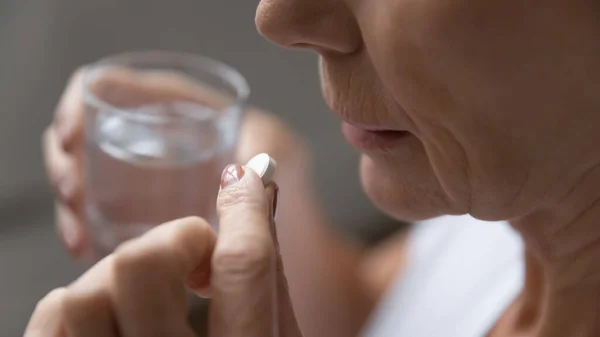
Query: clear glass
{"type": "Point", "coordinates": [159, 128]}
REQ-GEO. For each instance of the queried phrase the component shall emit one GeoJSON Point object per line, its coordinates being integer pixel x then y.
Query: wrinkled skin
{"type": "Point", "coordinates": [499, 98]}
{"type": "Point", "coordinates": [329, 301]}
{"type": "Point", "coordinates": [493, 92]}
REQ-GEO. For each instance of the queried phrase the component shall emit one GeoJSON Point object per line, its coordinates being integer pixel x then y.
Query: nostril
{"type": "Point", "coordinates": [302, 45]}
{"type": "Point", "coordinates": [314, 47]}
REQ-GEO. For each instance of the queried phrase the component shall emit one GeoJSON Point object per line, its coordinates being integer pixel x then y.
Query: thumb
{"type": "Point", "coordinates": [248, 288]}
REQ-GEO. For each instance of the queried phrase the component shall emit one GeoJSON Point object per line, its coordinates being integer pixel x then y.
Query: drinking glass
{"type": "Point", "coordinates": [159, 128]}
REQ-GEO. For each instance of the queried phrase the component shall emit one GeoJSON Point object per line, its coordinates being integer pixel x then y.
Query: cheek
{"type": "Point", "coordinates": [468, 105]}
{"type": "Point", "coordinates": [397, 39]}
{"type": "Point", "coordinates": [481, 171]}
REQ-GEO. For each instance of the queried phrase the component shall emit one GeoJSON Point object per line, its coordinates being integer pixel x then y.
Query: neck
{"type": "Point", "coordinates": [563, 264]}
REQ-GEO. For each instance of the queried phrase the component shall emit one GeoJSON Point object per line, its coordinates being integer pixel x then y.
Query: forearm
{"type": "Point", "coordinates": [383, 264]}
{"type": "Point", "coordinates": [327, 290]}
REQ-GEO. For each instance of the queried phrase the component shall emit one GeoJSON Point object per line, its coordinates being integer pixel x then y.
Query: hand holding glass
{"type": "Point", "coordinates": [159, 129]}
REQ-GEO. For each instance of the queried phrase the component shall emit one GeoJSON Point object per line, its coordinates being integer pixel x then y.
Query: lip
{"type": "Point", "coordinates": [369, 138]}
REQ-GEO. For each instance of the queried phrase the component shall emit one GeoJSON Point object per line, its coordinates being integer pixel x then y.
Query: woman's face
{"type": "Point", "coordinates": [492, 102]}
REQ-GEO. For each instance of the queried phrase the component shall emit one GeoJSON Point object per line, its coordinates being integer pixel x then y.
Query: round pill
{"type": "Point", "coordinates": [264, 165]}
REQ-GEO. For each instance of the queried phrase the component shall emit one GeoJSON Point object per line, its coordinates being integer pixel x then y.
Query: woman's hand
{"type": "Point", "coordinates": [63, 146]}
{"type": "Point", "coordinates": [140, 290]}
{"type": "Point", "coordinates": [328, 293]}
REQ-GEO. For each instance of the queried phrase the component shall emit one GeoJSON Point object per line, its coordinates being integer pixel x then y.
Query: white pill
{"type": "Point", "coordinates": [264, 165]}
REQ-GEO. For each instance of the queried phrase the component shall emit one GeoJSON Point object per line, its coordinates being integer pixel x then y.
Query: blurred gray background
{"type": "Point", "coordinates": [42, 42]}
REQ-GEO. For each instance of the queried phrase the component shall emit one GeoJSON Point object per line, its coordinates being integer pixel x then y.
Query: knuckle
{"type": "Point", "coordinates": [186, 239]}
{"type": "Point", "coordinates": [182, 235]}
{"type": "Point", "coordinates": [127, 258]}
{"type": "Point", "coordinates": [238, 196]}
{"type": "Point", "coordinates": [79, 305]}
{"type": "Point", "coordinates": [167, 248]}
{"type": "Point", "coordinates": [232, 195]}
{"type": "Point", "coordinates": [186, 228]}
{"type": "Point", "coordinates": [48, 153]}
{"type": "Point", "coordinates": [239, 260]}
{"type": "Point", "coordinates": [72, 303]}
{"type": "Point", "coordinates": [53, 302]}
{"type": "Point", "coordinates": [53, 159]}
{"type": "Point", "coordinates": [137, 259]}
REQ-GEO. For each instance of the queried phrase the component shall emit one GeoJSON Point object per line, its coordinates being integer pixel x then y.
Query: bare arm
{"type": "Point", "coordinates": [334, 285]}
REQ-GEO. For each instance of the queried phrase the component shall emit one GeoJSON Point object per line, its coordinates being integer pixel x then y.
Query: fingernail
{"type": "Point", "coordinates": [201, 290]}
{"type": "Point", "coordinates": [199, 282]}
{"type": "Point", "coordinates": [205, 293]}
{"type": "Point", "coordinates": [232, 174]}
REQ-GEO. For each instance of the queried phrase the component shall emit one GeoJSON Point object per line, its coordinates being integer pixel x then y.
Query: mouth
{"type": "Point", "coordinates": [337, 90]}
{"type": "Point", "coordinates": [368, 138]}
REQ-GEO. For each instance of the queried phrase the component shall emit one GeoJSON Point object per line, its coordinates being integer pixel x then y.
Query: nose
{"type": "Point", "coordinates": [322, 25]}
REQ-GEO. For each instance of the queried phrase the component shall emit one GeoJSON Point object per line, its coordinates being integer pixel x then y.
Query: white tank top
{"type": "Point", "coordinates": [461, 276]}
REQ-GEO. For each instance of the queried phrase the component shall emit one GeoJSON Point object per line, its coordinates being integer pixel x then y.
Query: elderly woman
{"type": "Point", "coordinates": [458, 107]}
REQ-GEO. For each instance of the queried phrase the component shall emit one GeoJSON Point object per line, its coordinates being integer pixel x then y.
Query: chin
{"type": "Point", "coordinates": [406, 189]}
